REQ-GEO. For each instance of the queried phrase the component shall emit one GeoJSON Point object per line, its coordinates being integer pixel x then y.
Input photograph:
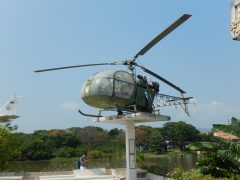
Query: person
{"type": "Point", "coordinates": [78, 162]}
{"type": "Point", "coordinates": [83, 161]}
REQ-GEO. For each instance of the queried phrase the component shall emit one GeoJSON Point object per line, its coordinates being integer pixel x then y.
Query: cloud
{"type": "Point", "coordinates": [212, 108]}
{"type": "Point", "coordinates": [203, 115]}
{"type": "Point", "coordinates": [215, 112]}
{"type": "Point", "coordinates": [69, 105]}
{"type": "Point", "coordinates": [212, 104]}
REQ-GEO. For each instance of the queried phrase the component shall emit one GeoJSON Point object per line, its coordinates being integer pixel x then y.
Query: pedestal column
{"type": "Point", "coordinates": [130, 151]}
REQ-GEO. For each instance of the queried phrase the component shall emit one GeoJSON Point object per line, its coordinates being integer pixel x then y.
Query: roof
{"type": "Point", "coordinates": [225, 135]}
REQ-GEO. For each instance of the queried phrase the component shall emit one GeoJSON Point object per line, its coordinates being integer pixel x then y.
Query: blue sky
{"type": "Point", "coordinates": [199, 56]}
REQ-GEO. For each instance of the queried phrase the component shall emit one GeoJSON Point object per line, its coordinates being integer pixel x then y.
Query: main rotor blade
{"type": "Point", "coordinates": [161, 78]}
{"type": "Point", "coordinates": [168, 30]}
{"type": "Point", "coordinates": [68, 67]}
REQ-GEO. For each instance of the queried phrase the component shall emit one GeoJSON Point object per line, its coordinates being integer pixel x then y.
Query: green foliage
{"type": "Point", "coordinates": [180, 133]}
{"type": "Point", "coordinates": [95, 137]}
{"type": "Point", "coordinates": [223, 159]}
{"type": "Point", "coordinates": [206, 137]}
{"type": "Point", "coordinates": [218, 164]}
{"type": "Point", "coordinates": [80, 150]}
{"type": "Point", "coordinates": [9, 146]}
{"type": "Point", "coordinates": [95, 154]}
{"type": "Point", "coordinates": [111, 149]}
{"type": "Point", "coordinates": [65, 152]}
{"type": "Point", "coordinates": [46, 144]}
{"type": "Point", "coordinates": [180, 174]}
{"type": "Point", "coordinates": [158, 169]}
{"type": "Point", "coordinates": [140, 157]}
{"type": "Point", "coordinates": [176, 172]}
{"type": "Point", "coordinates": [203, 146]}
{"type": "Point", "coordinates": [114, 132]}
{"type": "Point", "coordinates": [233, 128]}
{"type": "Point", "coordinates": [70, 140]}
{"type": "Point", "coordinates": [143, 134]}
{"type": "Point", "coordinates": [156, 142]}
{"type": "Point", "coordinates": [38, 149]}
{"type": "Point", "coordinates": [55, 143]}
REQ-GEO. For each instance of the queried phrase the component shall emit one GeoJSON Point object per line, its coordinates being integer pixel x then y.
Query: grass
{"type": "Point", "coordinates": [171, 153]}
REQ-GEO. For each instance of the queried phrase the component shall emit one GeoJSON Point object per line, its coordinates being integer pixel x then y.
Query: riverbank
{"type": "Point", "coordinates": [171, 159]}
{"type": "Point", "coordinates": [163, 164]}
{"type": "Point", "coordinates": [170, 153]}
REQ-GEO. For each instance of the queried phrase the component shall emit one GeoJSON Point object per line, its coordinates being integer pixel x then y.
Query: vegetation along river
{"type": "Point", "coordinates": [186, 161]}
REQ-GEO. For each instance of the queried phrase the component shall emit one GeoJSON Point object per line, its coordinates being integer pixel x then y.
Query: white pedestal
{"type": "Point", "coordinates": [129, 121]}
{"type": "Point", "coordinates": [130, 150]}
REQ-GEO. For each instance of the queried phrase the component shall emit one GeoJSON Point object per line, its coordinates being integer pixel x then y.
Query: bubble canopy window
{"type": "Point", "coordinates": [112, 83]}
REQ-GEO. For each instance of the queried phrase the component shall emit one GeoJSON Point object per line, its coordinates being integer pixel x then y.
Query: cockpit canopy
{"type": "Point", "coordinates": [111, 88]}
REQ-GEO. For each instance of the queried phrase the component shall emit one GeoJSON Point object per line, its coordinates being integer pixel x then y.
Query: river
{"type": "Point", "coordinates": [187, 161]}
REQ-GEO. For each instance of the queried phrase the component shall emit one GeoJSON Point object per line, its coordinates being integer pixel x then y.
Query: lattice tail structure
{"type": "Point", "coordinates": [163, 100]}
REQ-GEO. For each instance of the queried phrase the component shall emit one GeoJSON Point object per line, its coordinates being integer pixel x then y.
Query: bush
{"type": "Point", "coordinates": [218, 165]}
{"type": "Point", "coordinates": [176, 172]}
{"type": "Point", "coordinates": [180, 174]}
{"type": "Point", "coordinates": [80, 150]}
{"type": "Point", "coordinates": [95, 154]}
{"type": "Point", "coordinates": [65, 152]}
{"type": "Point", "coordinates": [37, 150]}
{"type": "Point", "coordinates": [9, 147]}
{"type": "Point", "coordinates": [157, 169]}
{"type": "Point", "coordinates": [140, 157]}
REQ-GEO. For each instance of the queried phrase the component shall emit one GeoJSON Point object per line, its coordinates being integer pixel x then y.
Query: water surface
{"type": "Point", "coordinates": [187, 161]}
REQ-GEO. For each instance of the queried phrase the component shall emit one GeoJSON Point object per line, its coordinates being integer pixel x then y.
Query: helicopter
{"type": "Point", "coordinates": [125, 91]}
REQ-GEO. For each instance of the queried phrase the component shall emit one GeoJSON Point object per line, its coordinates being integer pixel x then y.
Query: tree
{"type": "Point", "coordinates": [116, 140]}
{"type": "Point", "coordinates": [221, 157]}
{"type": "Point", "coordinates": [223, 161]}
{"type": "Point", "coordinates": [143, 134]}
{"type": "Point", "coordinates": [114, 132]}
{"type": "Point", "coordinates": [180, 133]}
{"type": "Point", "coordinates": [38, 149]}
{"type": "Point", "coordinates": [65, 152]}
{"type": "Point", "coordinates": [156, 141]}
{"type": "Point", "coordinates": [9, 146]}
{"type": "Point", "coordinates": [94, 137]}
{"type": "Point", "coordinates": [70, 140]}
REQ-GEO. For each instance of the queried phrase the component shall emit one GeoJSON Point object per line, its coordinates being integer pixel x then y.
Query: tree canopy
{"type": "Point", "coordinates": [180, 133]}
{"type": "Point", "coordinates": [57, 143]}
{"type": "Point", "coordinates": [9, 145]}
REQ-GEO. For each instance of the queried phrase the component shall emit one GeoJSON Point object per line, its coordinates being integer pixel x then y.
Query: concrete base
{"type": "Point", "coordinates": [91, 174]}
{"type": "Point", "coordinates": [139, 117]}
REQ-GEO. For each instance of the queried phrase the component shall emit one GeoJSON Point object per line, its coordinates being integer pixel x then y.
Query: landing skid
{"type": "Point", "coordinates": [89, 115]}
{"type": "Point", "coordinates": [120, 112]}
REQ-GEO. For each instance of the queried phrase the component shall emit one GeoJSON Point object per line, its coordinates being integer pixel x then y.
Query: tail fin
{"type": "Point", "coordinates": [10, 108]}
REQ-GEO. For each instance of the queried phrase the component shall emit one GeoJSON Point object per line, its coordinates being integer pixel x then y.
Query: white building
{"type": "Point", "coordinates": [235, 19]}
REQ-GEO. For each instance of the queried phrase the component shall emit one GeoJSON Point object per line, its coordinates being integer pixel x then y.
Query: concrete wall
{"type": "Point", "coordinates": [35, 175]}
